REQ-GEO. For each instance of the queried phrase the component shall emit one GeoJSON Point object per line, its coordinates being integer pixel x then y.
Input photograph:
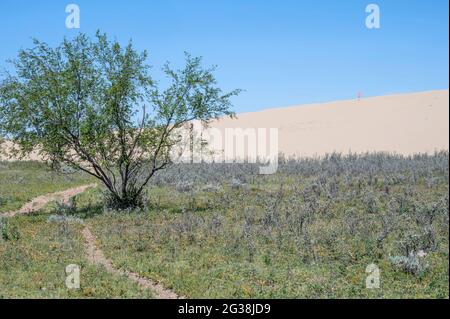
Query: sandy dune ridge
{"type": "Point", "coordinates": [403, 124]}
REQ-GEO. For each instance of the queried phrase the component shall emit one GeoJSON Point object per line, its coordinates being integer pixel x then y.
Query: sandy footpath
{"type": "Point", "coordinates": [96, 257]}
{"type": "Point", "coordinates": [41, 201]}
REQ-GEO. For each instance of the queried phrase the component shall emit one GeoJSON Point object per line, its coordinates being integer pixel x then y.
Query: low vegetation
{"type": "Point", "coordinates": [221, 230]}
{"type": "Point", "coordinates": [34, 255]}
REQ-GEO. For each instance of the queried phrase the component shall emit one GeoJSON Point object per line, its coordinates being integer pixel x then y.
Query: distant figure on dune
{"type": "Point", "coordinates": [360, 95]}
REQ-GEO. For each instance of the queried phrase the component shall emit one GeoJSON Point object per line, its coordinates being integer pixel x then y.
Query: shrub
{"type": "Point", "coordinates": [184, 186]}
{"type": "Point", "coordinates": [412, 264]}
{"type": "Point", "coordinates": [8, 232]}
{"type": "Point", "coordinates": [236, 183]}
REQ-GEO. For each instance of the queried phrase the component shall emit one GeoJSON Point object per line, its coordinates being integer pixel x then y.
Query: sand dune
{"type": "Point", "coordinates": [6, 146]}
{"type": "Point", "coordinates": [404, 124]}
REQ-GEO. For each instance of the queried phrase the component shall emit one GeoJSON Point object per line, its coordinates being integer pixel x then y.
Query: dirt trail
{"type": "Point", "coordinates": [96, 256]}
{"type": "Point", "coordinates": [39, 202]}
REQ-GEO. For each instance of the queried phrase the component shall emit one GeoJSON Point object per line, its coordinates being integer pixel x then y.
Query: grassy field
{"type": "Point", "coordinates": [211, 231]}
{"type": "Point", "coordinates": [22, 181]}
{"type": "Point", "coordinates": [33, 263]}
{"type": "Point", "coordinates": [34, 250]}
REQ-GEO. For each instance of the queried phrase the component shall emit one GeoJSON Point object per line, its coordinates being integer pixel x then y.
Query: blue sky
{"type": "Point", "coordinates": [281, 53]}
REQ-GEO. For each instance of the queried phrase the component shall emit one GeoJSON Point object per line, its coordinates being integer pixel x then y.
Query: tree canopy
{"type": "Point", "coordinates": [94, 106]}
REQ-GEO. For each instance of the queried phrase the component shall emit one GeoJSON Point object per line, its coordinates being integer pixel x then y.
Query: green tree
{"type": "Point", "coordinates": [93, 105]}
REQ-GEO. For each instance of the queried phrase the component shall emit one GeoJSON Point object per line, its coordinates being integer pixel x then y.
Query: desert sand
{"type": "Point", "coordinates": [403, 124]}
{"type": "Point", "coordinates": [5, 146]}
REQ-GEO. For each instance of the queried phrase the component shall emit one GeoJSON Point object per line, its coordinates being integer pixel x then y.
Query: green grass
{"type": "Point", "coordinates": [185, 253]}
{"type": "Point", "coordinates": [33, 260]}
{"type": "Point", "coordinates": [20, 182]}
{"type": "Point", "coordinates": [33, 266]}
{"type": "Point", "coordinates": [242, 243]}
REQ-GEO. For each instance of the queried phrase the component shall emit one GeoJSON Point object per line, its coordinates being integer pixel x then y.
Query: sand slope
{"type": "Point", "coordinates": [405, 124]}
{"type": "Point", "coordinates": [5, 146]}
